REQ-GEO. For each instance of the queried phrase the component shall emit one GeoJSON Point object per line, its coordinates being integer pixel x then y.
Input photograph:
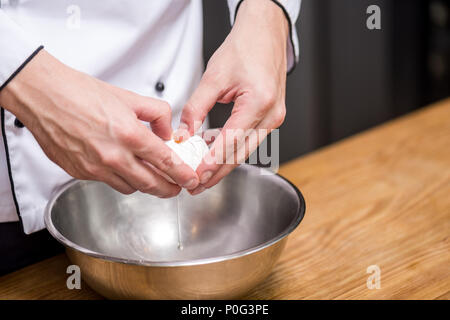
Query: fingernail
{"type": "Point", "coordinates": [191, 184]}
{"type": "Point", "coordinates": [205, 177]}
{"type": "Point", "coordinates": [180, 135]}
{"type": "Point", "coordinates": [198, 190]}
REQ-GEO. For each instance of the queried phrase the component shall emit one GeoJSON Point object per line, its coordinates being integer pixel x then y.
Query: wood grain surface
{"type": "Point", "coordinates": [378, 198]}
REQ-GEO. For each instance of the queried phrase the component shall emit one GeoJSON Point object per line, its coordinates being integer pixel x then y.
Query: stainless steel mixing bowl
{"type": "Point", "coordinates": [127, 246]}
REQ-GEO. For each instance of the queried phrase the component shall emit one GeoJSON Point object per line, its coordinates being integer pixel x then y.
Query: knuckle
{"type": "Point", "coordinates": [111, 159]}
{"type": "Point", "coordinates": [261, 113]}
{"type": "Point", "coordinates": [165, 107]}
{"type": "Point", "coordinates": [279, 117]}
{"type": "Point", "coordinates": [193, 112]}
{"type": "Point", "coordinates": [210, 76]}
{"type": "Point", "coordinates": [213, 77]}
{"type": "Point", "coordinates": [267, 96]}
{"type": "Point", "coordinates": [148, 187]}
{"type": "Point", "coordinates": [128, 191]}
{"type": "Point", "coordinates": [166, 162]}
{"type": "Point", "coordinates": [127, 134]}
{"type": "Point", "coordinates": [188, 111]}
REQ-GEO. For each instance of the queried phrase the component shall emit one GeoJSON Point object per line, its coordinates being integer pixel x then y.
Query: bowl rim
{"type": "Point", "coordinates": [175, 263]}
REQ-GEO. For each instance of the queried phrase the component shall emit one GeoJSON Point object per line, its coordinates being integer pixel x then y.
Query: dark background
{"type": "Point", "coordinates": [350, 78]}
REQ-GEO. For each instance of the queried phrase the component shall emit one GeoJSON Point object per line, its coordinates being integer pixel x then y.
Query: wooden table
{"type": "Point", "coordinates": [378, 198]}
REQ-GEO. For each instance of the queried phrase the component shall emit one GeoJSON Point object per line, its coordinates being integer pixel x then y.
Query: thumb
{"type": "Point", "coordinates": [158, 113]}
{"type": "Point", "coordinates": [196, 109]}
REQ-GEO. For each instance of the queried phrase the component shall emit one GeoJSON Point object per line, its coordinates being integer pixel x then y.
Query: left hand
{"type": "Point", "coordinates": [249, 68]}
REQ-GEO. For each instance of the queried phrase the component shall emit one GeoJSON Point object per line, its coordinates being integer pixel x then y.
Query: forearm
{"type": "Point", "coordinates": [263, 24]}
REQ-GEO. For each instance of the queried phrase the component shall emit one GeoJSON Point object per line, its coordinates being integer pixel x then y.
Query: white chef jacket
{"type": "Point", "coordinates": [132, 44]}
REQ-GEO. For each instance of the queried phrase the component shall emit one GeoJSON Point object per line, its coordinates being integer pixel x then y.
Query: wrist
{"type": "Point", "coordinates": [22, 94]}
{"type": "Point", "coordinates": [7, 89]}
{"type": "Point", "coordinates": [9, 97]}
{"type": "Point", "coordinates": [266, 12]}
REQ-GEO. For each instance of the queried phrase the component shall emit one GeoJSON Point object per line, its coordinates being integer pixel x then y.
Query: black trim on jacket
{"type": "Point", "coordinates": [35, 52]}
{"type": "Point", "coordinates": [8, 163]}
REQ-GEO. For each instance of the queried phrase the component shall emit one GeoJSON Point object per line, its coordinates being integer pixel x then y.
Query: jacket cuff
{"type": "Point", "coordinates": [17, 49]}
{"type": "Point", "coordinates": [291, 9]}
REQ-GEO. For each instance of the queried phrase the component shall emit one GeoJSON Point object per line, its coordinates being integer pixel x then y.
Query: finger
{"type": "Point", "coordinates": [273, 119]}
{"type": "Point", "coordinates": [143, 178]}
{"type": "Point", "coordinates": [153, 150]}
{"type": "Point", "coordinates": [119, 184]}
{"type": "Point", "coordinates": [197, 107]}
{"type": "Point", "coordinates": [230, 140]}
{"type": "Point", "coordinates": [158, 113]}
{"type": "Point", "coordinates": [252, 141]}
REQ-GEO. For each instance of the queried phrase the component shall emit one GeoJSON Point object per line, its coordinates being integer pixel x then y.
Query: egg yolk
{"type": "Point", "coordinates": [178, 140]}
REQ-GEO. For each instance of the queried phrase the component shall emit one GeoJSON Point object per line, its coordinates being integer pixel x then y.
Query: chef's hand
{"type": "Point", "coordinates": [249, 69]}
{"type": "Point", "coordinates": [93, 130]}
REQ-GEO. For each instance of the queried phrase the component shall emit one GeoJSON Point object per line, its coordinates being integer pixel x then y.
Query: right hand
{"type": "Point", "coordinates": [93, 131]}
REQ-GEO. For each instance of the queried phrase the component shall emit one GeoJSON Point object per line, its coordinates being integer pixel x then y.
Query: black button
{"type": "Point", "coordinates": [159, 86]}
{"type": "Point", "coordinates": [18, 124]}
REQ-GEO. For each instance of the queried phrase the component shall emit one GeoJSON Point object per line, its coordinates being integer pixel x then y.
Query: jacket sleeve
{"type": "Point", "coordinates": [16, 49]}
{"type": "Point", "coordinates": [291, 9]}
